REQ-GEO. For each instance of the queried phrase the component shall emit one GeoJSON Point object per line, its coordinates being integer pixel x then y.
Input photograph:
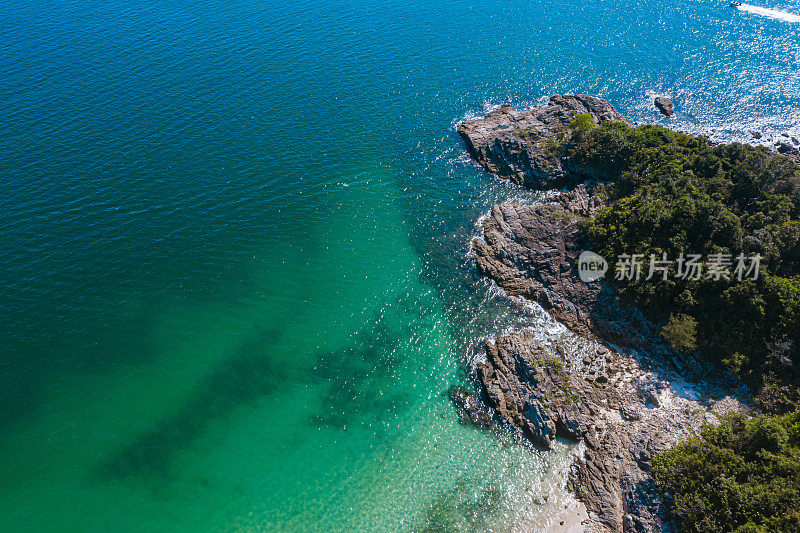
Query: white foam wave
{"type": "Point", "coordinates": [473, 114]}
{"type": "Point", "coordinates": [771, 13]}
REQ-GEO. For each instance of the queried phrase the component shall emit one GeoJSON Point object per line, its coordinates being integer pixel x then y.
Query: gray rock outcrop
{"type": "Point", "coordinates": [665, 106]}
{"type": "Point", "coordinates": [470, 409]}
{"type": "Point", "coordinates": [532, 251]}
{"type": "Point", "coordinates": [522, 144]}
{"type": "Point", "coordinates": [611, 410]}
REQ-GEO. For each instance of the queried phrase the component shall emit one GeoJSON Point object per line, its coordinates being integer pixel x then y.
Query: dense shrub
{"type": "Point", "coordinates": [582, 122]}
{"type": "Point", "coordinates": [672, 193]}
{"type": "Point", "coordinates": [741, 476]}
{"type": "Point", "coordinates": [681, 332]}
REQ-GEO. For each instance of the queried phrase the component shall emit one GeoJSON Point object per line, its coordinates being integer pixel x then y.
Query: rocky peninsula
{"type": "Point", "coordinates": [628, 397]}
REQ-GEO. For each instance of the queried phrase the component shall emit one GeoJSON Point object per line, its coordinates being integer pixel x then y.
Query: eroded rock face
{"type": "Point", "coordinates": [625, 410]}
{"type": "Point", "coordinates": [624, 414]}
{"type": "Point", "coordinates": [531, 389]}
{"type": "Point", "coordinates": [616, 407]}
{"type": "Point", "coordinates": [521, 144]}
{"type": "Point", "coordinates": [532, 251]}
{"type": "Point", "coordinates": [665, 106]}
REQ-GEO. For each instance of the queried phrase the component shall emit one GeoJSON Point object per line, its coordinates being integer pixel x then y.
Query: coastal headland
{"type": "Point", "coordinates": [633, 394]}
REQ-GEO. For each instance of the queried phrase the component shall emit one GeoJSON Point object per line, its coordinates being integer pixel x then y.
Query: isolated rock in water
{"type": "Point", "coordinates": [522, 145]}
{"type": "Point", "coordinates": [470, 410]}
{"type": "Point", "coordinates": [665, 106]}
{"type": "Point", "coordinates": [756, 134]}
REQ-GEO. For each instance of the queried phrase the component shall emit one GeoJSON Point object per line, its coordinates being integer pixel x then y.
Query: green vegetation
{"type": "Point", "coordinates": [681, 332]}
{"type": "Point", "coordinates": [572, 398]}
{"type": "Point", "coordinates": [743, 476]}
{"type": "Point", "coordinates": [671, 193]}
{"type": "Point", "coordinates": [582, 122]}
{"type": "Point", "coordinates": [555, 363]}
{"type": "Point", "coordinates": [555, 144]}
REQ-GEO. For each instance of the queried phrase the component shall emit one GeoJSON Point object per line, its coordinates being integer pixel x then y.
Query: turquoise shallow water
{"type": "Point", "coordinates": [235, 286]}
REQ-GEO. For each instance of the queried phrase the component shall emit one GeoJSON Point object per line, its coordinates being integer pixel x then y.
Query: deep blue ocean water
{"type": "Point", "coordinates": [235, 285]}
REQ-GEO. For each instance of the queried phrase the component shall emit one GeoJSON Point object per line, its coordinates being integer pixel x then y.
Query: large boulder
{"type": "Point", "coordinates": [665, 106]}
{"type": "Point", "coordinates": [522, 144]}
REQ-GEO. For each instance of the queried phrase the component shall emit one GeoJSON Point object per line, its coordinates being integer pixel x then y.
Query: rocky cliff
{"type": "Point", "coordinates": [624, 404]}
{"type": "Point", "coordinates": [520, 144]}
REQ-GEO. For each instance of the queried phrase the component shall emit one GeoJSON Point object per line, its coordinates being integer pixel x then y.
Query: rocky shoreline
{"type": "Point", "coordinates": [628, 397]}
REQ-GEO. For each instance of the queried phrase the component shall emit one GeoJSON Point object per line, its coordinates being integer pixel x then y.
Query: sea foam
{"type": "Point", "coordinates": [771, 13]}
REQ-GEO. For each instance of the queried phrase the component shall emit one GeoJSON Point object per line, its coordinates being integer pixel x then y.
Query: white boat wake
{"type": "Point", "coordinates": [771, 13]}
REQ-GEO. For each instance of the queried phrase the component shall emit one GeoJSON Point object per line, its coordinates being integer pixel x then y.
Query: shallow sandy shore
{"type": "Point", "coordinates": [572, 520]}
